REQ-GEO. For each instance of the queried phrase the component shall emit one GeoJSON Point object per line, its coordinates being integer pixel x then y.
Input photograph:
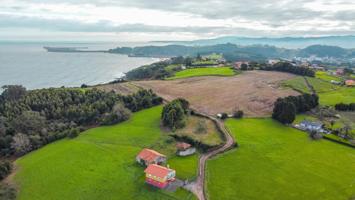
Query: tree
{"type": "Point", "coordinates": [244, 67]}
{"type": "Point", "coordinates": [21, 144]}
{"type": "Point", "coordinates": [284, 111]}
{"type": "Point", "coordinates": [13, 92]}
{"type": "Point", "coordinates": [173, 115]}
{"type": "Point", "coordinates": [119, 113]}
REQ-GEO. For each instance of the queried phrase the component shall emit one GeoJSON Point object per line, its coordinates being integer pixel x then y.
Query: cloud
{"type": "Point", "coordinates": [195, 17]}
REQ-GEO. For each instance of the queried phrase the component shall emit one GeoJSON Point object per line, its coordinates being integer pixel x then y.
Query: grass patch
{"type": "Point", "coordinates": [278, 162]}
{"type": "Point", "coordinates": [203, 71]}
{"type": "Point", "coordinates": [99, 164]}
{"type": "Point", "coordinates": [342, 95]}
{"type": "Point", "coordinates": [321, 86]}
{"type": "Point", "coordinates": [210, 137]}
{"type": "Point", "coordinates": [326, 77]}
{"type": "Point", "coordinates": [297, 84]}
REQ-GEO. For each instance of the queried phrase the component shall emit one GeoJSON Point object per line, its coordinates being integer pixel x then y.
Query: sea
{"type": "Point", "coordinates": [30, 65]}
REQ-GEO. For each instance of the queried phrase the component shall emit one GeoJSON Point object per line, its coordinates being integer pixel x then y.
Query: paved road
{"type": "Point", "coordinates": [198, 186]}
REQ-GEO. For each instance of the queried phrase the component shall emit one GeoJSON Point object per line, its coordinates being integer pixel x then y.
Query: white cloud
{"type": "Point", "coordinates": [177, 19]}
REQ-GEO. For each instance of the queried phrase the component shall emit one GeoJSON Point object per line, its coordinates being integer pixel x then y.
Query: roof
{"type": "Point", "coordinates": [183, 145]}
{"type": "Point", "coordinates": [149, 155]}
{"type": "Point", "coordinates": [309, 123]}
{"type": "Point", "coordinates": [350, 82]}
{"type": "Point", "coordinates": [157, 170]}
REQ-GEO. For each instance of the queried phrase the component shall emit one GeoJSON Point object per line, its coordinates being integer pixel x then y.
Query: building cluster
{"type": "Point", "coordinates": [156, 173]}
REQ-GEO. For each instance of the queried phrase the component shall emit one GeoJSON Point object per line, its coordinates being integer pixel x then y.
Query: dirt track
{"type": "Point", "coordinates": [198, 186]}
{"type": "Point", "coordinates": [254, 92]}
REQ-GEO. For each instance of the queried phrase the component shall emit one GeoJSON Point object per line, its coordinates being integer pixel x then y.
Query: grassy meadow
{"type": "Point", "coordinates": [329, 94]}
{"type": "Point", "coordinates": [211, 136]}
{"type": "Point", "coordinates": [203, 71]}
{"type": "Point", "coordinates": [326, 77]}
{"type": "Point", "coordinates": [274, 161]}
{"type": "Point", "coordinates": [100, 164]}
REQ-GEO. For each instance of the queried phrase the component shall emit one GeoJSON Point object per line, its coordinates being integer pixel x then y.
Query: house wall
{"type": "Point", "coordinates": [187, 152]}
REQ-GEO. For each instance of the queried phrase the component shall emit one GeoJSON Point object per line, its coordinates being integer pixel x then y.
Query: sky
{"type": "Point", "coordinates": [146, 20]}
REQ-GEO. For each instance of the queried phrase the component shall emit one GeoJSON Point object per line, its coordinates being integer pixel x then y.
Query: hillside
{"type": "Point", "coordinates": [278, 162]}
{"type": "Point", "coordinates": [283, 42]}
{"type": "Point", "coordinates": [100, 164]}
{"type": "Point", "coordinates": [236, 52]}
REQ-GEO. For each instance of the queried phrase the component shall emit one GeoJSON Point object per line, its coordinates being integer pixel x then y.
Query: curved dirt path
{"type": "Point", "coordinates": [198, 186]}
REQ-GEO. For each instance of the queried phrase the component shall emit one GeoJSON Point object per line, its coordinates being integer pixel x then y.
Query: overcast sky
{"type": "Point", "coordinates": [144, 20]}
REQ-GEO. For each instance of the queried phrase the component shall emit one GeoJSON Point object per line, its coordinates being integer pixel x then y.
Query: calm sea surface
{"type": "Point", "coordinates": [30, 65]}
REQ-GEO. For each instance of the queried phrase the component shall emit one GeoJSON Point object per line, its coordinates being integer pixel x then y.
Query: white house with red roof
{"type": "Point", "coordinates": [149, 156]}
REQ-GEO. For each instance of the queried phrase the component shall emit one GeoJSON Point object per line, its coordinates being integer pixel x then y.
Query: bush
{"type": "Point", "coordinates": [118, 114]}
{"type": "Point", "coordinates": [345, 107]}
{"type": "Point", "coordinates": [238, 114]}
{"type": "Point", "coordinates": [73, 133]}
{"type": "Point", "coordinates": [224, 116]}
{"type": "Point", "coordinates": [315, 135]}
{"type": "Point", "coordinates": [201, 127]}
{"type": "Point", "coordinates": [7, 192]}
{"type": "Point", "coordinates": [5, 169]}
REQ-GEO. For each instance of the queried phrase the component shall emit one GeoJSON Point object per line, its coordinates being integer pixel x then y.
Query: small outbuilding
{"type": "Point", "coordinates": [184, 149]}
{"type": "Point", "coordinates": [149, 156]}
{"type": "Point", "coordinates": [159, 176]}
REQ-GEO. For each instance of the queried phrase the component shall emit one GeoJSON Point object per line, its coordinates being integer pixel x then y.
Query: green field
{"type": "Point", "coordinates": [298, 83]}
{"type": "Point", "coordinates": [326, 77]}
{"type": "Point", "coordinates": [100, 164]}
{"type": "Point", "coordinates": [278, 162]}
{"type": "Point", "coordinates": [343, 94]}
{"type": "Point", "coordinates": [203, 71]}
{"type": "Point", "coordinates": [328, 93]}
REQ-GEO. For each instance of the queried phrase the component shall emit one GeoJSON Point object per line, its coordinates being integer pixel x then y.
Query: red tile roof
{"type": "Point", "coordinates": [149, 155]}
{"type": "Point", "coordinates": [349, 82]}
{"type": "Point", "coordinates": [183, 145]}
{"type": "Point", "coordinates": [157, 170]}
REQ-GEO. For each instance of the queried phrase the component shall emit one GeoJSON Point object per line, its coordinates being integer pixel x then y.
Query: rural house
{"type": "Point", "coordinates": [350, 83]}
{"type": "Point", "coordinates": [238, 65]}
{"type": "Point", "coordinates": [148, 156]}
{"type": "Point", "coordinates": [184, 149]}
{"type": "Point", "coordinates": [311, 126]}
{"type": "Point", "coordinates": [159, 176]}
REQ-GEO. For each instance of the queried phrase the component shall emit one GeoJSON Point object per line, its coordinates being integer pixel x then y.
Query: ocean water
{"type": "Point", "coordinates": [30, 65]}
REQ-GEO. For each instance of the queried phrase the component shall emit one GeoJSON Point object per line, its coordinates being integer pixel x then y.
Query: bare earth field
{"type": "Point", "coordinates": [254, 92]}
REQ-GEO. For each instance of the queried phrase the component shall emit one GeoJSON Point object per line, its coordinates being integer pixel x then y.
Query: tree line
{"type": "Point", "coordinates": [157, 70]}
{"type": "Point", "coordinates": [288, 67]}
{"type": "Point", "coordinates": [31, 119]}
{"type": "Point", "coordinates": [345, 107]}
{"type": "Point", "coordinates": [285, 109]}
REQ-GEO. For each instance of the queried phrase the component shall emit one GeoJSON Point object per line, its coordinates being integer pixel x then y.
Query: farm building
{"type": "Point", "coordinates": [159, 176]}
{"type": "Point", "coordinates": [148, 156]}
{"type": "Point", "coordinates": [350, 83]}
{"type": "Point", "coordinates": [185, 149]}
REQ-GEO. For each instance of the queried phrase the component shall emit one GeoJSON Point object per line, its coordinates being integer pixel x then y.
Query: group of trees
{"type": "Point", "coordinates": [285, 109]}
{"type": "Point", "coordinates": [174, 114]}
{"type": "Point", "coordinates": [345, 107]}
{"type": "Point", "coordinates": [288, 67]}
{"type": "Point", "coordinates": [31, 119]}
{"type": "Point", "coordinates": [157, 70]}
